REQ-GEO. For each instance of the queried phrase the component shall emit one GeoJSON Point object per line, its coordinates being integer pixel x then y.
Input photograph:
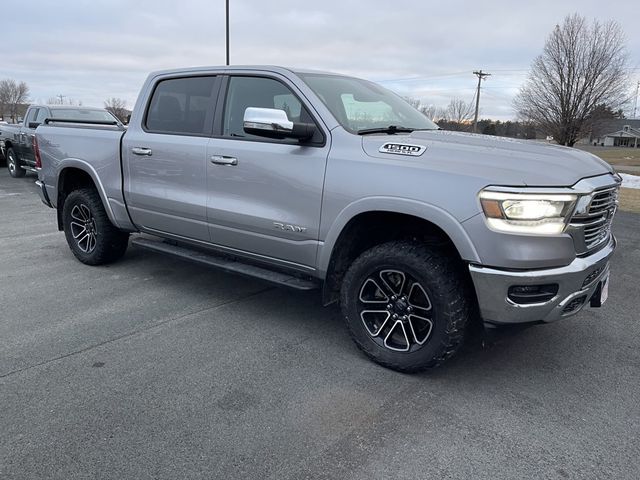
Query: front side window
{"type": "Point", "coordinates": [182, 106]}
{"type": "Point", "coordinates": [33, 113]}
{"type": "Point", "coordinates": [261, 92]}
{"type": "Point", "coordinates": [359, 104]}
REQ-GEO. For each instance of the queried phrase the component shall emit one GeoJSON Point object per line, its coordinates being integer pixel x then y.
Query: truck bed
{"type": "Point", "coordinates": [92, 148]}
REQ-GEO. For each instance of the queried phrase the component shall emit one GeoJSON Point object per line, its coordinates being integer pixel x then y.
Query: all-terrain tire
{"type": "Point", "coordinates": [93, 239]}
{"type": "Point", "coordinates": [13, 164]}
{"type": "Point", "coordinates": [430, 278]}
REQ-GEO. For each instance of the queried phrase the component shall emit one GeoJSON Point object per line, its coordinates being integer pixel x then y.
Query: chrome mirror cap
{"type": "Point", "coordinates": [266, 120]}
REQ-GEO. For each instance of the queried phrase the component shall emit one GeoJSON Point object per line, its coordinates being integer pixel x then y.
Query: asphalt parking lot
{"type": "Point", "coordinates": [155, 368]}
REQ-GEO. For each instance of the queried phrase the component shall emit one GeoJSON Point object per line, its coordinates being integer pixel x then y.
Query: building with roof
{"type": "Point", "coordinates": [626, 137]}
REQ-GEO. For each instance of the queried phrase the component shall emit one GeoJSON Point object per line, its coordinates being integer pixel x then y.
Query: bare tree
{"type": "Point", "coordinates": [459, 111]}
{"type": "Point", "coordinates": [456, 116]}
{"type": "Point", "coordinates": [581, 67]}
{"type": "Point", "coordinates": [12, 95]}
{"type": "Point", "coordinates": [63, 100]}
{"type": "Point", "coordinates": [414, 102]}
{"type": "Point", "coordinates": [118, 107]}
{"type": "Point", "coordinates": [433, 112]}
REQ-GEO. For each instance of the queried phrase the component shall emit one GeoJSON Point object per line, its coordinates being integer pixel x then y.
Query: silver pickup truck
{"type": "Point", "coordinates": [316, 180]}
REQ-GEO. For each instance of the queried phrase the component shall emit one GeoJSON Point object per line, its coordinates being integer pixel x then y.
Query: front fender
{"type": "Point", "coordinates": [439, 217]}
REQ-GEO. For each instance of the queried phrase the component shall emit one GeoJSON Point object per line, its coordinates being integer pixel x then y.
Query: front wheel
{"type": "Point", "coordinates": [13, 164]}
{"type": "Point", "coordinates": [93, 239]}
{"type": "Point", "coordinates": [406, 305]}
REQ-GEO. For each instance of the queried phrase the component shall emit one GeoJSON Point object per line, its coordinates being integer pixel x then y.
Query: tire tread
{"type": "Point", "coordinates": [456, 313]}
{"type": "Point", "coordinates": [113, 242]}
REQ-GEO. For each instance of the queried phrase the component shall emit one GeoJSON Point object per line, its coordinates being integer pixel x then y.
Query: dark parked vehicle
{"type": "Point", "coordinates": [16, 141]}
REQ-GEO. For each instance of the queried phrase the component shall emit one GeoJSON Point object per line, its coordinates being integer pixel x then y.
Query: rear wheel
{"type": "Point", "coordinates": [406, 305]}
{"type": "Point", "coordinates": [93, 239]}
{"type": "Point", "coordinates": [13, 164]}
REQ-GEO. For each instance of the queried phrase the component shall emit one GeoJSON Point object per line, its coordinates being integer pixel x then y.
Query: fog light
{"type": "Point", "coordinates": [574, 304]}
{"type": "Point", "coordinates": [528, 294]}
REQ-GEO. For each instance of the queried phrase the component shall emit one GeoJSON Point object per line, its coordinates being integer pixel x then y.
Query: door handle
{"type": "Point", "coordinates": [143, 151]}
{"type": "Point", "coordinates": [224, 160]}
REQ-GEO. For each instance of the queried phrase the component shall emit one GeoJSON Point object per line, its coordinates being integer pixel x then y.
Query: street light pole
{"type": "Point", "coordinates": [227, 29]}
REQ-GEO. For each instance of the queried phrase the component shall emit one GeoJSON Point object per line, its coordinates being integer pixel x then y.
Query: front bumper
{"type": "Point", "coordinates": [577, 282]}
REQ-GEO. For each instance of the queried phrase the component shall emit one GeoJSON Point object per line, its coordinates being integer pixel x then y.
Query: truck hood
{"type": "Point", "coordinates": [497, 160]}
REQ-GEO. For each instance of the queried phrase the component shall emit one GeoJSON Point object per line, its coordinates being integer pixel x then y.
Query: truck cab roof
{"type": "Point", "coordinates": [235, 68]}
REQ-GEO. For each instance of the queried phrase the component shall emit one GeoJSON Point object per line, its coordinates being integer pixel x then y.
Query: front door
{"type": "Point", "coordinates": [165, 158]}
{"type": "Point", "coordinates": [265, 195]}
{"type": "Point", "coordinates": [26, 137]}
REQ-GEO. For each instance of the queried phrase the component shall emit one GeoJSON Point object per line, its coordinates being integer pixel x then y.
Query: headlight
{"type": "Point", "coordinates": [533, 213]}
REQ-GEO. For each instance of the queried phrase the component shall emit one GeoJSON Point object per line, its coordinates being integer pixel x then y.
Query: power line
{"type": "Point", "coordinates": [422, 77]}
{"type": "Point", "coordinates": [481, 76]}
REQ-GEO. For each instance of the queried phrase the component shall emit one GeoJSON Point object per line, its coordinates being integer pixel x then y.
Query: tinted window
{"type": "Point", "coordinates": [244, 92]}
{"type": "Point", "coordinates": [182, 105]}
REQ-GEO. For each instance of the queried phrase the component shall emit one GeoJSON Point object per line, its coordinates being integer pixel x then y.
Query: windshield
{"type": "Point", "coordinates": [361, 105]}
{"type": "Point", "coordinates": [82, 115]}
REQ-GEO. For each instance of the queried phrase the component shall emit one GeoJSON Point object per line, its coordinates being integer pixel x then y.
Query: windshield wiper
{"type": "Point", "coordinates": [391, 129]}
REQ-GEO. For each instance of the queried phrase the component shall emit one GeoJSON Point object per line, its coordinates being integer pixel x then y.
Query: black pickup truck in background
{"type": "Point", "coordinates": [16, 141]}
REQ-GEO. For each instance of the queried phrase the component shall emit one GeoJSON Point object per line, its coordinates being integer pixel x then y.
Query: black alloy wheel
{"type": "Point", "coordinates": [92, 237]}
{"type": "Point", "coordinates": [407, 304]}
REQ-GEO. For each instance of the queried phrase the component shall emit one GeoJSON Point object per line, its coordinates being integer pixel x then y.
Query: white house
{"type": "Point", "coordinates": [627, 137]}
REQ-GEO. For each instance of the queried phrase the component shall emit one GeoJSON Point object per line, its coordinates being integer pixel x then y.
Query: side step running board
{"type": "Point", "coordinates": [228, 265]}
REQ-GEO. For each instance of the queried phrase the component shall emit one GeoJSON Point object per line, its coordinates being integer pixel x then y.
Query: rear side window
{"type": "Point", "coordinates": [182, 106]}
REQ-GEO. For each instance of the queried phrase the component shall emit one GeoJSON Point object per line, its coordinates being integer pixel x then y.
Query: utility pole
{"type": "Point", "coordinates": [227, 20]}
{"type": "Point", "coordinates": [480, 74]}
{"type": "Point", "coordinates": [61, 97]}
{"type": "Point", "coordinates": [635, 106]}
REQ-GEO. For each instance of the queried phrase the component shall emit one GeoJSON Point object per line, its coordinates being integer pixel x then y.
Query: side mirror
{"type": "Point", "coordinates": [274, 123]}
{"type": "Point", "coordinates": [34, 125]}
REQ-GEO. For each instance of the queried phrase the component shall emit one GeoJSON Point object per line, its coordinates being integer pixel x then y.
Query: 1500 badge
{"type": "Point", "coordinates": [403, 149]}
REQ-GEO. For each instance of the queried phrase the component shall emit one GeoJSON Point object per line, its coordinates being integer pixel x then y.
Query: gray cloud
{"type": "Point", "coordinates": [91, 50]}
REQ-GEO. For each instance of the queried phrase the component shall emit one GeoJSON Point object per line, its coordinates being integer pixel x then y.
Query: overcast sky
{"type": "Point", "coordinates": [90, 50]}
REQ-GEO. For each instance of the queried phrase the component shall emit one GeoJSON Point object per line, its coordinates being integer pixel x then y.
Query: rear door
{"type": "Point", "coordinates": [165, 157]}
{"type": "Point", "coordinates": [268, 202]}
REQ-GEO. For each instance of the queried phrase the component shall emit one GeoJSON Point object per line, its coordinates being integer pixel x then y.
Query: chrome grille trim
{"type": "Point", "coordinates": [590, 225]}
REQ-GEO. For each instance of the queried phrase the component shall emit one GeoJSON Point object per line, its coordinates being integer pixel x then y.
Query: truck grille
{"type": "Point", "coordinates": [592, 228]}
